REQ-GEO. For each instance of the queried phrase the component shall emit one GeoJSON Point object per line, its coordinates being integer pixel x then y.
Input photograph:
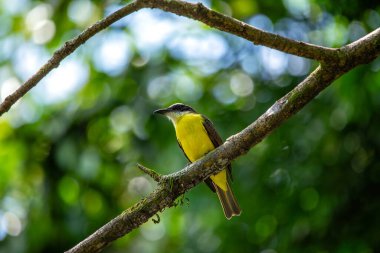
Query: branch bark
{"type": "Point", "coordinates": [174, 185]}
{"type": "Point", "coordinates": [194, 11]}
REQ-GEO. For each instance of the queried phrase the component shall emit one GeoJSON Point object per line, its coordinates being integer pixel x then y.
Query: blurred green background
{"type": "Point", "coordinates": [68, 149]}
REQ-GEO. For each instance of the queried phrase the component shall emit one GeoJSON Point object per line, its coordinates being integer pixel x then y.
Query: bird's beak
{"type": "Point", "coordinates": [161, 111]}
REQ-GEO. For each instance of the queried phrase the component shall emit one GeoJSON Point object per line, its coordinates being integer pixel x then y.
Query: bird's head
{"type": "Point", "coordinates": [175, 111]}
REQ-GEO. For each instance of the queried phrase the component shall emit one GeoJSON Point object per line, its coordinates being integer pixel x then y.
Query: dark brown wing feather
{"type": "Point", "coordinates": [215, 139]}
{"type": "Point", "coordinates": [214, 136]}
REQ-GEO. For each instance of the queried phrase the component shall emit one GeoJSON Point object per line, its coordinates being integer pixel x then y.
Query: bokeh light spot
{"type": "Point", "coordinates": [89, 163]}
{"type": "Point", "coordinates": [82, 12]}
{"type": "Point", "coordinates": [11, 224]}
{"type": "Point", "coordinates": [298, 8]}
{"type": "Point", "coordinates": [241, 84]}
{"type": "Point", "coordinates": [360, 160]}
{"type": "Point", "coordinates": [298, 66]}
{"type": "Point", "coordinates": [186, 89]}
{"type": "Point", "coordinates": [37, 14]}
{"type": "Point", "coordinates": [15, 6]}
{"type": "Point", "coordinates": [153, 232]}
{"type": "Point", "coordinates": [92, 202]}
{"type": "Point", "coordinates": [139, 186]}
{"type": "Point", "coordinates": [335, 34]}
{"type": "Point", "coordinates": [37, 21]}
{"type": "Point", "coordinates": [160, 88]}
{"type": "Point", "coordinates": [280, 179]}
{"type": "Point", "coordinates": [208, 242]}
{"type": "Point", "coordinates": [338, 118]}
{"type": "Point", "coordinates": [43, 31]}
{"type": "Point", "coordinates": [157, 29]}
{"type": "Point", "coordinates": [122, 119]}
{"type": "Point", "coordinates": [356, 31]}
{"type": "Point", "coordinates": [266, 225]}
{"type": "Point", "coordinates": [223, 93]}
{"type": "Point", "coordinates": [273, 61]}
{"type": "Point", "coordinates": [300, 229]}
{"type": "Point", "coordinates": [8, 87]}
{"type": "Point", "coordinates": [113, 53]}
{"type": "Point", "coordinates": [243, 8]}
{"type": "Point", "coordinates": [68, 189]}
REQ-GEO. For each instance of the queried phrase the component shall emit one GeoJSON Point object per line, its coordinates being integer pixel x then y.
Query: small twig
{"type": "Point", "coordinates": [156, 221]}
{"type": "Point", "coordinates": [156, 176]}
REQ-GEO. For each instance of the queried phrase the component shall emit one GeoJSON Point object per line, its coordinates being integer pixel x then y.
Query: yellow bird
{"type": "Point", "coordinates": [196, 137]}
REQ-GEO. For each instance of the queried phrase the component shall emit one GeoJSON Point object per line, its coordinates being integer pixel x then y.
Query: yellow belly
{"type": "Point", "coordinates": [193, 136]}
{"type": "Point", "coordinates": [196, 143]}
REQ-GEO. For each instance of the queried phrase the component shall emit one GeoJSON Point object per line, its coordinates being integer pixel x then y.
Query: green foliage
{"type": "Point", "coordinates": [68, 150]}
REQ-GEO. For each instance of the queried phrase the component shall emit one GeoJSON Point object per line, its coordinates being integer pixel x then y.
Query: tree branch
{"type": "Point", "coordinates": [69, 47]}
{"type": "Point", "coordinates": [175, 184]}
{"type": "Point", "coordinates": [194, 11]}
{"type": "Point", "coordinates": [228, 24]}
{"type": "Point", "coordinates": [362, 51]}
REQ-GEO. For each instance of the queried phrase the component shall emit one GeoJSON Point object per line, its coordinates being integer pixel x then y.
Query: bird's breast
{"type": "Point", "coordinates": [193, 137]}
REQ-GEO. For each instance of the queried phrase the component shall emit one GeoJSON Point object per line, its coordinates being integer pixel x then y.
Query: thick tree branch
{"type": "Point", "coordinates": [174, 185]}
{"type": "Point", "coordinates": [361, 51]}
{"type": "Point", "coordinates": [194, 11]}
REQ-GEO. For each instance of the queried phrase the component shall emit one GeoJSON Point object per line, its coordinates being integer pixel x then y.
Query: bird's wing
{"type": "Point", "coordinates": [215, 139]}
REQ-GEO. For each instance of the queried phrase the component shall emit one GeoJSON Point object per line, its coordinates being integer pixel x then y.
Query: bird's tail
{"type": "Point", "coordinates": [228, 201]}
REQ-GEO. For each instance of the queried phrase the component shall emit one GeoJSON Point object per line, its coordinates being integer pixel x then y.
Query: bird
{"type": "Point", "coordinates": [196, 136]}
